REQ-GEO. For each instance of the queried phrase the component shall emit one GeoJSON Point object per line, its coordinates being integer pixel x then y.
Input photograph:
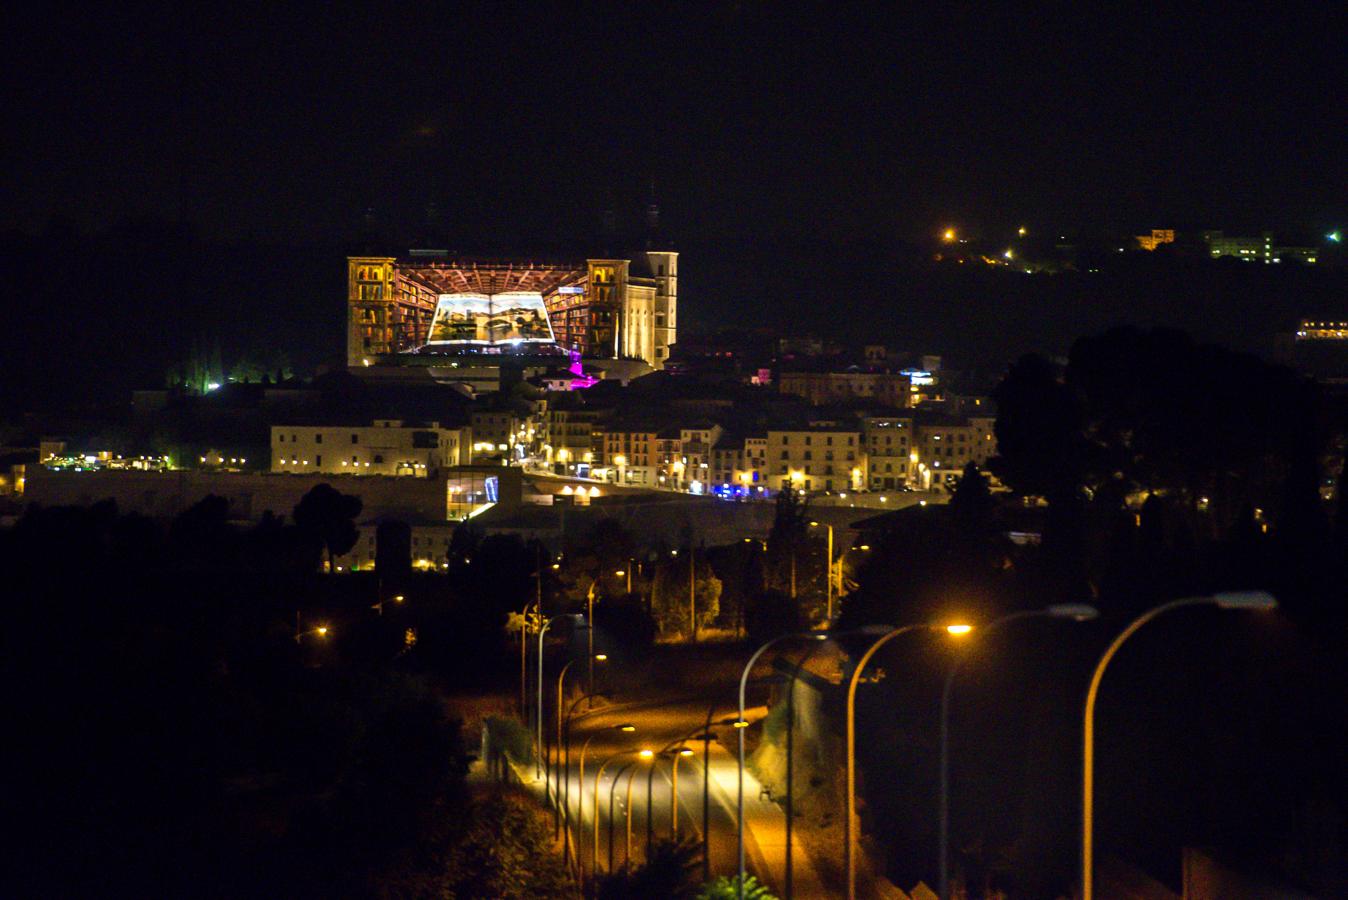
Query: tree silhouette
{"type": "Point", "coordinates": [326, 517]}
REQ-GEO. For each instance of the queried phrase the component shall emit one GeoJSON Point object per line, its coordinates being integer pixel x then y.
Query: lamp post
{"type": "Point", "coordinates": [594, 849]}
{"type": "Point", "coordinates": [557, 807]}
{"type": "Point", "coordinates": [626, 727]}
{"type": "Point", "coordinates": [1255, 600]}
{"type": "Point", "coordinates": [566, 767]}
{"type": "Point", "coordinates": [538, 714]}
{"type": "Point", "coordinates": [589, 633]}
{"type": "Point", "coordinates": [1076, 612]}
{"type": "Point", "coordinates": [849, 839]}
{"type": "Point", "coordinates": [627, 814]}
{"type": "Point", "coordinates": [828, 570]}
{"type": "Point", "coordinates": [742, 724]}
{"type": "Point", "coordinates": [678, 753]}
{"type": "Point", "coordinates": [300, 633]}
{"type": "Point", "coordinates": [674, 749]}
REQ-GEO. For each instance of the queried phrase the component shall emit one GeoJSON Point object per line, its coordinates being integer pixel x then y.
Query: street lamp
{"type": "Point", "coordinates": [561, 676]}
{"type": "Point", "coordinates": [625, 727]}
{"type": "Point", "coordinates": [644, 755]}
{"type": "Point", "coordinates": [828, 569]}
{"type": "Point", "coordinates": [566, 768]}
{"type": "Point", "coordinates": [538, 756]}
{"type": "Point", "coordinates": [849, 839]}
{"type": "Point", "coordinates": [1076, 612]}
{"type": "Point", "coordinates": [300, 633]}
{"type": "Point", "coordinates": [675, 749]}
{"type": "Point", "coordinates": [740, 724]}
{"type": "Point", "coordinates": [627, 814]}
{"type": "Point", "coordinates": [1254, 600]}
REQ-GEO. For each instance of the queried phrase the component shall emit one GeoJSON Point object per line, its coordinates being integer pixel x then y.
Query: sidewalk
{"type": "Point", "coordinates": [764, 831]}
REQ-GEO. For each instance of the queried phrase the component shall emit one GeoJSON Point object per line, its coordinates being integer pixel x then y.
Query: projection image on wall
{"type": "Point", "coordinates": [490, 319]}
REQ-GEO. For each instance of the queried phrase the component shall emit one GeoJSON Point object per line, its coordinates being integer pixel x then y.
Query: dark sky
{"type": "Point", "coordinates": [284, 122]}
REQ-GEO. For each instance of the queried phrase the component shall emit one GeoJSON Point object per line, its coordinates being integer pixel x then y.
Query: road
{"type": "Point", "coordinates": [659, 724]}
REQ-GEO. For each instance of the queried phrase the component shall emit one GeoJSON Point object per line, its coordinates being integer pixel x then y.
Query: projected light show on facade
{"type": "Point", "coordinates": [490, 319]}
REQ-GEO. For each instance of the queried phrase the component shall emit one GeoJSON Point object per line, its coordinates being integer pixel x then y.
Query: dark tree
{"type": "Point", "coordinates": [770, 614]}
{"type": "Point", "coordinates": [972, 503]}
{"type": "Point", "coordinates": [327, 519]}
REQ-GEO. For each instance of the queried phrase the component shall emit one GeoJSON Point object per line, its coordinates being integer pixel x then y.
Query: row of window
{"type": "Point", "coordinates": [378, 459]}
{"type": "Point", "coordinates": [828, 439]}
{"type": "Point", "coordinates": [809, 454]}
{"type": "Point", "coordinates": [828, 470]}
{"type": "Point", "coordinates": [318, 439]}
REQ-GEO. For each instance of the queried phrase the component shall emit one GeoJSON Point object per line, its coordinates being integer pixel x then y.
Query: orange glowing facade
{"type": "Point", "coordinates": [602, 307]}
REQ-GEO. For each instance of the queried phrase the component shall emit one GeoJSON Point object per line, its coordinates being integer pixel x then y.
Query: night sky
{"type": "Point", "coordinates": [802, 157]}
{"type": "Point", "coordinates": [521, 120]}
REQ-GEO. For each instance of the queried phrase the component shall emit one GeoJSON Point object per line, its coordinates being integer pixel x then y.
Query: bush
{"type": "Point", "coordinates": [723, 888]}
{"type": "Point", "coordinates": [509, 736]}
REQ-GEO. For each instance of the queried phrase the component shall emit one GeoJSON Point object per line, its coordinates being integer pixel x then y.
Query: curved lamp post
{"type": "Point", "coordinates": [627, 813]}
{"type": "Point", "coordinates": [742, 724]}
{"type": "Point", "coordinates": [1076, 612]}
{"type": "Point", "coordinates": [1256, 600]}
{"type": "Point", "coordinates": [566, 767]}
{"type": "Point", "coordinates": [580, 790]}
{"type": "Point", "coordinates": [849, 838]}
{"type": "Point", "coordinates": [594, 848]}
{"type": "Point", "coordinates": [538, 713]}
{"type": "Point", "coordinates": [557, 793]}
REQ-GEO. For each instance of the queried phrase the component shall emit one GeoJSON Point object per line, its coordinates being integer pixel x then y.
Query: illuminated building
{"type": "Point", "coordinates": [815, 458]}
{"type": "Point", "coordinates": [1157, 237]}
{"type": "Point", "coordinates": [628, 454]}
{"type": "Point", "coordinates": [888, 450]}
{"type": "Point", "coordinates": [605, 308]}
{"type": "Point", "coordinates": [570, 438]}
{"type": "Point", "coordinates": [1256, 249]}
{"type": "Point", "coordinates": [918, 449]}
{"type": "Point", "coordinates": [738, 462]}
{"type": "Point", "coordinates": [388, 447]}
{"type": "Point", "coordinates": [1322, 331]}
{"type": "Point", "coordinates": [889, 388]}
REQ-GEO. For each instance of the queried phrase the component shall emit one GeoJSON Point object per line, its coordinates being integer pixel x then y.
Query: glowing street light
{"type": "Point", "coordinates": [948, 236]}
{"type": "Point", "coordinates": [849, 839]}
{"type": "Point", "coordinates": [1021, 231]}
{"type": "Point", "coordinates": [1250, 600]}
{"type": "Point", "coordinates": [644, 755]}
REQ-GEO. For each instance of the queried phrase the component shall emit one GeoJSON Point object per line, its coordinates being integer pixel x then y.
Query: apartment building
{"type": "Point", "coordinates": [815, 458]}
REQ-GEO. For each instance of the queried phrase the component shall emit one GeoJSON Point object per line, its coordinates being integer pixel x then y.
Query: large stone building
{"type": "Point", "coordinates": [604, 307]}
{"type": "Point", "coordinates": [388, 447]}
